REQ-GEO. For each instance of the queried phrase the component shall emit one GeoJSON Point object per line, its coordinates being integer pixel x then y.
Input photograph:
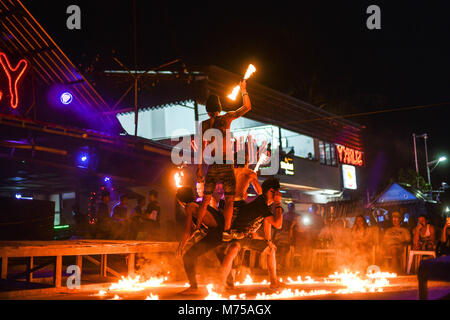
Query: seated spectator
{"type": "Point", "coordinates": [444, 245]}
{"type": "Point", "coordinates": [102, 216]}
{"type": "Point", "coordinates": [424, 235]}
{"type": "Point", "coordinates": [119, 216]}
{"type": "Point", "coordinates": [153, 215]}
{"type": "Point", "coordinates": [340, 234]}
{"type": "Point", "coordinates": [282, 238]}
{"type": "Point", "coordinates": [325, 236]}
{"type": "Point", "coordinates": [395, 239]}
{"type": "Point", "coordinates": [302, 238]}
{"type": "Point", "coordinates": [360, 235]}
{"type": "Point", "coordinates": [361, 244]}
{"type": "Point", "coordinates": [136, 217]}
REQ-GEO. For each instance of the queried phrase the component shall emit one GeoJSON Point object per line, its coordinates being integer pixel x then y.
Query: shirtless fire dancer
{"type": "Point", "coordinates": [249, 219]}
{"type": "Point", "coordinates": [222, 171]}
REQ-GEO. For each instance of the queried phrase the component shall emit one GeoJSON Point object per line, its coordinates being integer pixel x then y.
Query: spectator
{"type": "Point", "coordinates": [136, 217]}
{"type": "Point", "coordinates": [153, 214]}
{"type": "Point", "coordinates": [282, 237]}
{"type": "Point", "coordinates": [326, 234]}
{"type": "Point", "coordinates": [119, 216]}
{"type": "Point", "coordinates": [302, 237]}
{"type": "Point", "coordinates": [361, 237]}
{"type": "Point", "coordinates": [340, 235]}
{"type": "Point", "coordinates": [444, 245]}
{"type": "Point", "coordinates": [424, 235]}
{"type": "Point", "coordinates": [102, 216]}
{"type": "Point", "coordinates": [395, 239]}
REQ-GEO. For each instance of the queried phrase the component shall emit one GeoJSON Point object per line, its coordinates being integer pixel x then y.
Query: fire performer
{"type": "Point", "coordinates": [245, 177]}
{"type": "Point", "coordinates": [210, 234]}
{"type": "Point", "coordinates": [221, 171]}
{"type": "Point", "coordinates": [249, 219]}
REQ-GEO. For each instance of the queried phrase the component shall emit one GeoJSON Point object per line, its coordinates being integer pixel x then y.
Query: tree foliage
{"type": "Point", "coordinates": [411, 177]}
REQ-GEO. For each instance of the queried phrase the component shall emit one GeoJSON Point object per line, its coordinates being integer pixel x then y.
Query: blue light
{"type": "Point", "coordinates": [18, 196]}
{"type": "Point", "coordinates": [107, 179]}
{"type": "Point", "coordinates": [84, 158]}
{"type": "Point", "coordinates": [66, 98]}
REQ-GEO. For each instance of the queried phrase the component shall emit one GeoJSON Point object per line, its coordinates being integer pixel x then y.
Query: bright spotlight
{"type": "Point", "coordinates": [18, 196]}
{"type": "Point", "coordinates": [107, 179]}
{"type": "Point", "coordinates": [84, 158]}
{"type": "Point", "coordinates": [306, 220]}
{"type": "Point", "coordinates": [442, 159]}
{"type": "Point", "coordinates": [66, 98]}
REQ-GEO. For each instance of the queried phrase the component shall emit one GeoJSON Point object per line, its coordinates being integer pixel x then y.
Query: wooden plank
{"type": "Point", "coordinates": [79, 263]}
{"type": "Point", "coordinates": [58, 272]}
{"type": "Point", "coordinates": [67, 248]}
{"type": "Point", "coordinates": [4, 267]}
{"type": "Point", "coordinates": [131, 262]}
{"type": "Point", "coordinates": [30, 266]}
{"type": "Point", "coordinates": [103, 265]}
{"type": "Point", "coordinates": [108, 269]}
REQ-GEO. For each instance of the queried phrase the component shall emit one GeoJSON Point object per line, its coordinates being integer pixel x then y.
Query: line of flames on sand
{"type": "Point", "coordinates": [352, 282]}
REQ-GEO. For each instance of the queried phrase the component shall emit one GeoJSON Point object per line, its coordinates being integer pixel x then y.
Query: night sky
{"type": "Point", "coordinates": [318, 51]}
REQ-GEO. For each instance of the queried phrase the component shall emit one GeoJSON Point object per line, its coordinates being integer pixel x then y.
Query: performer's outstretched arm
{"type": "Point", "coordinates": [247, 104]}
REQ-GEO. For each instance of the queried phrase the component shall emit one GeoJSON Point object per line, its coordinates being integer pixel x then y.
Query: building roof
{"type": "Point", "coordinates": [22, 36]}
{"type": "Point", "coordinates": [160, 89]}
{"type": "Point", "coordinates": [398, 193]}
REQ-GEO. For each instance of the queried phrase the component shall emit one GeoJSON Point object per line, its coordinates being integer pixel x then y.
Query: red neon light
{"type": "Point", "coordinates": [349, 156]}
{"type": "Point", "coordinates": [14, 75]}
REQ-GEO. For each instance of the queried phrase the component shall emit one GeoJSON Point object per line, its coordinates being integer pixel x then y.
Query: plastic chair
{"type": "Point", "coordinates": [420, 254]}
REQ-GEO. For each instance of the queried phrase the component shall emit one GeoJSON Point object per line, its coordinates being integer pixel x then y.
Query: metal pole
{"type": "Point", "coordinates": [196, 110]}
{"type": "Point", "coordinates": [415, 157]}
{"type": "Point", "coordinates": [135, 106]}
{"type": "Point", "coordinates": [428, 168]}
{"type": "Point", "coordinates": [136, 117]}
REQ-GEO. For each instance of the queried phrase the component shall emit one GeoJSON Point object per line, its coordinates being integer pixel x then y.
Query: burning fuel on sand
{"type": "Point", "coordinates": [346, 282]}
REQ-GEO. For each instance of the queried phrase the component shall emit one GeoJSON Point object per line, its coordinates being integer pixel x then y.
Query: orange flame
{"type": "Point", "coordinates": [250, 70]}
{"type": "Point", "coordinates": [178, 176]}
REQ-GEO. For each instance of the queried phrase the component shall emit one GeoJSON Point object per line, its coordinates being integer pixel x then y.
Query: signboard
{"type": "Point", "coordinates": [349, 175]}
{"type": "Point", "coordinates": [349, 156]}
{"type": "Point", "coordinates": [287, 165]}
{"type": "Point", "coordinates": [11, 76]}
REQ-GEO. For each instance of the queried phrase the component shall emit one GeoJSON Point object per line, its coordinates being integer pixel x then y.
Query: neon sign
{"type": "Point", "coordinates": [349, 175]}
{"type": "Point", "coordinates": [349, 156]}
{"type": "Point", "coordinates": [288, 166]}
{"type": "Point", "coordinates": [13, 75]}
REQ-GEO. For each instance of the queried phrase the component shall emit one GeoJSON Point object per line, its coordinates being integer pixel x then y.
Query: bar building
{"type": "Point", "coordinates": [64, 140]}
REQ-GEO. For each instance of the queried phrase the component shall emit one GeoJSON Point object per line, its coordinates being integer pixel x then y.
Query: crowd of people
{"type": "Point", "coordinates": [121, 223]}
{"type": "Point", "coordinates": [358, 245]}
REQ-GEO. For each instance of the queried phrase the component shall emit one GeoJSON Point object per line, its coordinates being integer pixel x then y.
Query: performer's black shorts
{"type": "Point", "coordinates": [252, 244]}
{"type": "Point", "coordinates": [220, 173]}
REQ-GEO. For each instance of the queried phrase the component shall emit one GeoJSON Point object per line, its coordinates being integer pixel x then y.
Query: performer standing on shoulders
{"type": "Point", "coordinates": [222, 171]}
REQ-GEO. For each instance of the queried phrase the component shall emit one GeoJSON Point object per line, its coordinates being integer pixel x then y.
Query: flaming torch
{"type": "Point", "coordinates": [251, 68]}
{"type": "Point", "coordinates": [261, 160]}
{"type": "Point", "coordinates": [178, 176]}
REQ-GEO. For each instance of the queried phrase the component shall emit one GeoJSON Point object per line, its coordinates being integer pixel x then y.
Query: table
{"type": "Point", "coordinates": [78, 248]}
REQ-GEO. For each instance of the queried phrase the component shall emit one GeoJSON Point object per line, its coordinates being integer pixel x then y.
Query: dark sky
{"type": "Point", "coordinates": [323, 46]}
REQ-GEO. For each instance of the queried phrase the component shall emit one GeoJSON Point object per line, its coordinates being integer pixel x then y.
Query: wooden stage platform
{"type": "Point", "coordinates": [80, 249]}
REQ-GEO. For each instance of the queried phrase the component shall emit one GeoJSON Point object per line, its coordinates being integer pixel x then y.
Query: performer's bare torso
{"type": "Point", "coordinates": [221, 123]}
{"type": "Point", "coordinates": [244, 176]}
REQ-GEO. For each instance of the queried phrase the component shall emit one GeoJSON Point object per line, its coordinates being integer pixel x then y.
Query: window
{"type": "Point", "coordinates": [301, 145]}
{"type": "Point", "coordinates": [327, 154]}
